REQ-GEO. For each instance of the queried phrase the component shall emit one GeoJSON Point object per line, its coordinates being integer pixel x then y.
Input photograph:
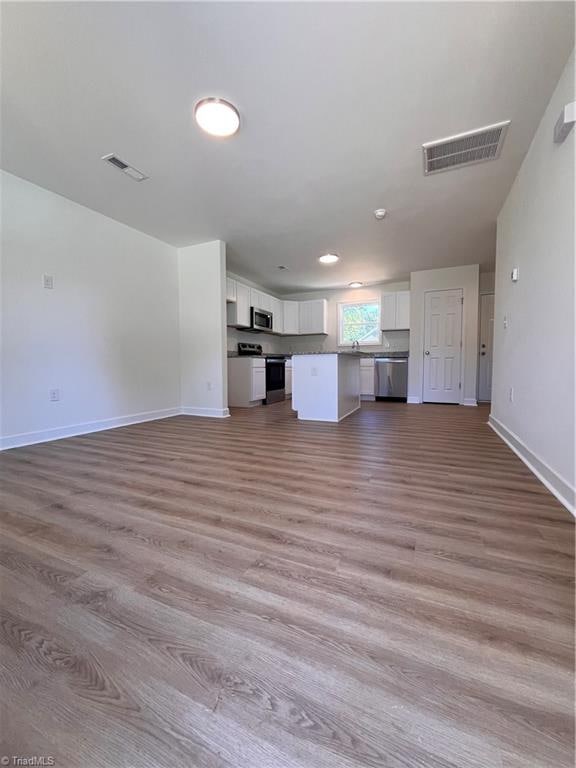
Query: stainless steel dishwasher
{"type": "Point", "coordinates": [391, 378]}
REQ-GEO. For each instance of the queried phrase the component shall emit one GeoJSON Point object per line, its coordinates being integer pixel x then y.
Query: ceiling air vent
{"type": "Point", "coordinates": [134, 173]}
{"type": "Point", "coordinates": [464, 148]}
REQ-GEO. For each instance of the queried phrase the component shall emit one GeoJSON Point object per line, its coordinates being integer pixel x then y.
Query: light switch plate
{"type": "Point", "coordinates": [515, 274]}
{"type": "Point", "coordinates": [48, 281]}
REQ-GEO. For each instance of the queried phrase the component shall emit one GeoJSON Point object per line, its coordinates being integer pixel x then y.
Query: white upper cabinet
{"type": "Point", "coordinates": [403, 310]}
{"type": "Point", "coordinates": [396, 311]}
{"type": "Point", "coordinates": [238, 312]}
{"type": "Point", "coordinates": [230, 289]}
{"type": "Point", "coordinates": [277, 316]}
{"type": "Point", "coordinates": [388, 311]}
{"type": "Point", "coordinates": [313, 316]}
{"type": "Point", "coordinates": [261, 300]}
{"type": "Point", "coordinates": [291, 319]}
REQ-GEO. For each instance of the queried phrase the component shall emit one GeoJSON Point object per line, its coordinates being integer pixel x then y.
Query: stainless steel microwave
{"type": "Point", "coordinates": [261, 320]}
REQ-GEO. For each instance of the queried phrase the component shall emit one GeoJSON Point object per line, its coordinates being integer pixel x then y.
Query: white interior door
{"type": "Point", "coordinates": [486, 340]}
{"type": "Point", "coordinates": [442, 346]}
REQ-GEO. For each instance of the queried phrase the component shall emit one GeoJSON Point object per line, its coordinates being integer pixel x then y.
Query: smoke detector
{"type": "Point", "coordinates": [120, 165]}
{"type": "Point", "coordinates": [379, 213]}
{"type": "Point", "coordinates": [468, 148]}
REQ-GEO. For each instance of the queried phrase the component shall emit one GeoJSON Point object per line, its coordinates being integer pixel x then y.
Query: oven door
{"type": "Point", "coordinates": [275, 381]}
{"type": "Point", "coordinates": [261, 320]}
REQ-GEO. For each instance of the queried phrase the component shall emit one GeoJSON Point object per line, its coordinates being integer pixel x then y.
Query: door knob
{"type": "Point", "coordinates": [482, 353]}
{"type": "Point", "coordinates": [426, 353]}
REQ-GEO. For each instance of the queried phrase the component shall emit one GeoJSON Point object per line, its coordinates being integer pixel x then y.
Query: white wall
{"type": "Point", "coordinates": [106, 336]}
{"type": "Point", "coordinates": [203, 364]}
{"type": "Point", "coordinates": [466, 278]}
{"type": "Point", "coordinates": [535, 354]}
{"type": "Point", "coordinates": [391, 340]}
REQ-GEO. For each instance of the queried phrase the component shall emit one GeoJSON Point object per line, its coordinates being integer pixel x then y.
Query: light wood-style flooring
{"type": "Point", "coordinates": [255, 592]}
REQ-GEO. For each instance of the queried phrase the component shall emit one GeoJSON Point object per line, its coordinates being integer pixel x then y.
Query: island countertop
{"type": "Point", "coordinates": [384, 353]}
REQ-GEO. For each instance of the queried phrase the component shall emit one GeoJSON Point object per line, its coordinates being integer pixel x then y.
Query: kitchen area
{"type": "Point", "coordinates": [317, 350]}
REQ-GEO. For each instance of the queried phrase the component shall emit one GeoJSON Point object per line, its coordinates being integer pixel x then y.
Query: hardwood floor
{"type": "Point", "coordinates": [395, 590]}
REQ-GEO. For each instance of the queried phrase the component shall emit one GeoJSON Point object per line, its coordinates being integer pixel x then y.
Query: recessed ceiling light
{"type": "Point", "coordinates": [355, 284]}
{"type": "Point", "coordinates": [329, 258]}
{"type": "Point", "coordinates": [217, 117]}
{"type": "Point", "coordinates": [380, 213]}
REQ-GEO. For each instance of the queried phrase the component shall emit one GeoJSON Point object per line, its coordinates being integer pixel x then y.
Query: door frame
{"type": "Point", "coordinates": [462, 344]}
{"type": "Point", "coordinates": [480, 297]}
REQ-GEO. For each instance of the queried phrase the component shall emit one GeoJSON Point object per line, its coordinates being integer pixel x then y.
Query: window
{"type": "Point", "coordinates": [359, 321]}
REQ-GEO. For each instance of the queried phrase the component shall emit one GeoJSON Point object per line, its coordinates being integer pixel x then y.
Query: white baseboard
{"type": "Point", "coordinates": [368, 398]}
{"type": "Point", "coordinates": [469, 401]}
{"type": "Point", "coordinates": [564, 492]}
{"type": "Point", "coordinates": [73, 430]}
{"type": "Point", "coordinates": [414, 400]}
{"type": "Point", "coordinates": [213, 413]}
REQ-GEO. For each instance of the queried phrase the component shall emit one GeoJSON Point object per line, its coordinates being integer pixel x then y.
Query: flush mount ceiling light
{"type": "Point", "coordinates": [217, 117]}
{"type": "Point", "coordinates": [355, 284]}
{"type": "Point", "coordinates": [329, 258]}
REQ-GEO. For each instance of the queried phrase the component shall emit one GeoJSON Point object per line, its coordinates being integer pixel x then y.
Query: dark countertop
{"type": "Point", "coordinates": [384, 353]}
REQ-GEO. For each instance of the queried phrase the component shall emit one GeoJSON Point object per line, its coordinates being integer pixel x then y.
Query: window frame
{"type": "Point", "coordinates": [359, 302]}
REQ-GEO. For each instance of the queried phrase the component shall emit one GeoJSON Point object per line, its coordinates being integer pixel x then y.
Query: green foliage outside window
{"type": "Point", "coordinates": [359, 322]}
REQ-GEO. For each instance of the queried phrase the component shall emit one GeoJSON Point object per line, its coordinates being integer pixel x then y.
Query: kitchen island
{"type": "Point", "coordinates": [325, 385]}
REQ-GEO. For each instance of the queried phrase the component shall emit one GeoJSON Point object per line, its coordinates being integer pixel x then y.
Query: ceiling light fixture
{"type": "Point", "coordinates": [380, 213]}
{"type": "Point", "coordinates": [355, 284]}
{"type": "Point", "coordinates": [217, 117]}
{"type": "Point", "coordinates": [329, 258]}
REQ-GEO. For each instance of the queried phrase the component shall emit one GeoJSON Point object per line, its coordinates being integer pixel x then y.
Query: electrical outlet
{"type": "Point", "coordinates": [511, 394]}
{"type": "Point", "coordinates": [506, 321]}
{"type": "Point", "coordinates": [54, 395]}
{"type": "Point", "coordinates": [48, 281]}
{"type": "Point", "coordinates": [209, 386]}
{"type": "Point", "coordinates": [314, 372]}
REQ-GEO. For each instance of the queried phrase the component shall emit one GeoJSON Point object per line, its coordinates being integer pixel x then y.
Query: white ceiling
{"type": "Point", "coordinates": [335, 99]}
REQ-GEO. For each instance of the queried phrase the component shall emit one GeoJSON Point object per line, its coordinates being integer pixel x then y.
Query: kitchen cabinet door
{"type": "Point", "coordinates": [256, 298]}
{"type": "Point", "coordinates": [312, 316]}
{"type": "Point", "coordinates": [367, 380]}
{"type": "Point", "coordinates": [288, 380]}
{"type": "Point", "coordinates": [402, 310]}
{"type": "Point", "coordinates": [277, 316]}
{"type": "Point", "coordinates": [242, 306]}
{"type": "Point", "coordinates": [291, 320]}
{"type": "Point", "coordinates": [258, 383]}
{"type": "Point", "coordinates": [230, 289]}
{"type": "Point", "coordinates": [388, 310]}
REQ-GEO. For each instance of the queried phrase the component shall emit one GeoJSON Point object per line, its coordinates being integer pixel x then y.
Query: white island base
{"type": "Point", "coordinates": [325, 386]}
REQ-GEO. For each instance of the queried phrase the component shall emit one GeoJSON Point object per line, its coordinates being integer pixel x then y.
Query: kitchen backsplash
{"type": "Point", "coordinates": [269, 343]}
{"type": "Point", "coordinates": [392, 341]}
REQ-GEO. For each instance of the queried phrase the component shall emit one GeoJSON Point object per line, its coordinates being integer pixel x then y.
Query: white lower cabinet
{"type": "Point", "coordinates": [246, 381]}
{"type": "Point", "coordinates": [258, 383]}
{"type": "Point", "coordinates": [288, 378]}
{"type": "Point", "coordinates": [367, 388]}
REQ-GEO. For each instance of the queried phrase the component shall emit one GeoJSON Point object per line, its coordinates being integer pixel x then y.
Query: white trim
{"type": "Point", "coordinates": [214, 413]}
{"type": "Point", "coordinates": [469, 401]}
{"type": "Point", "coordinates": [561, 488]}
{"type": "Point", "coordinates": [414, 400]}
{"type": "Point", "coordinates": [73, 430]}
